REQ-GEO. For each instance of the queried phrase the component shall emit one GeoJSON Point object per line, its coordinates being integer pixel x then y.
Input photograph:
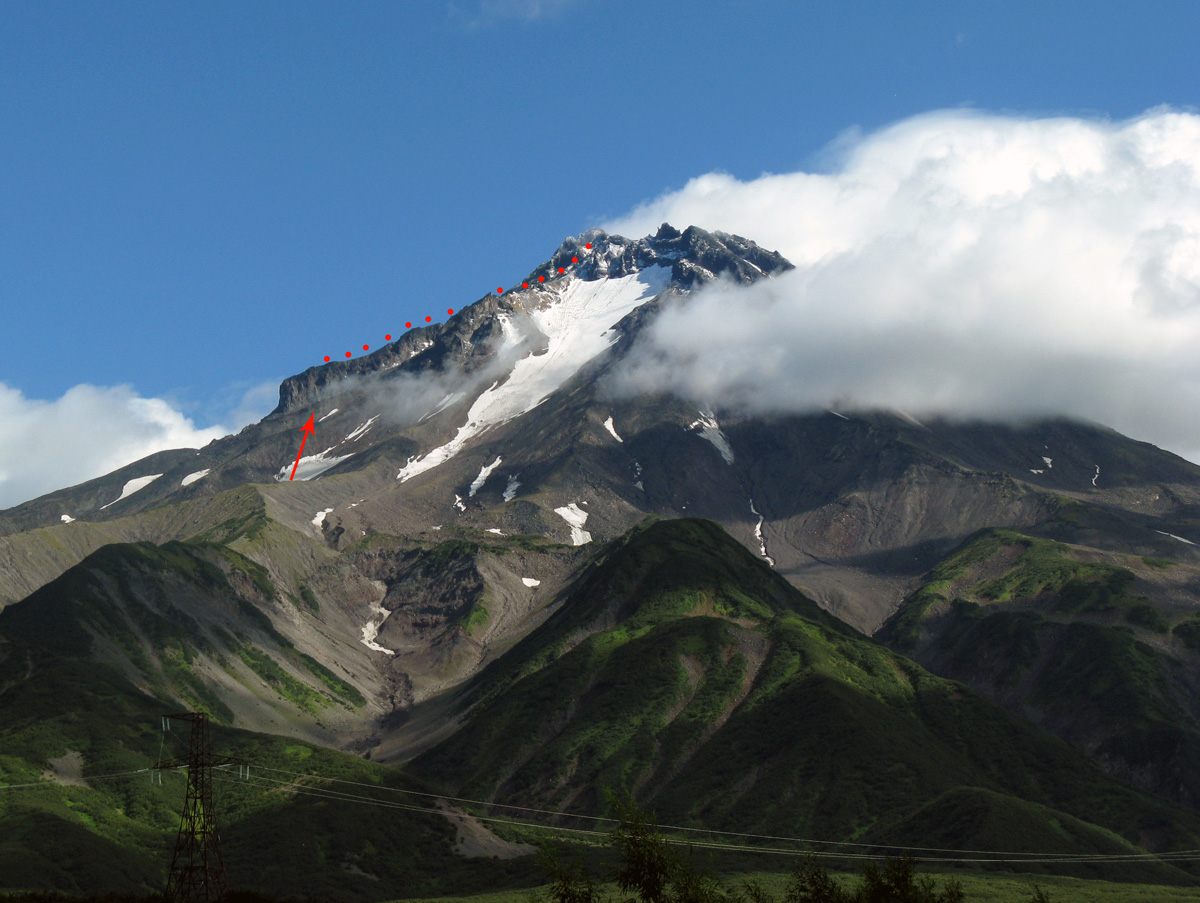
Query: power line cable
{"type": "Point", "coordinates": [995, 856]}
{"type": "Point", "coordinates": [1031, 857]}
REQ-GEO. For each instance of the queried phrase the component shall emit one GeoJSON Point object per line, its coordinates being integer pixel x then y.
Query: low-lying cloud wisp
{"type": "Point", "coordinates": [956, 263]}
{"type": "Point", "coordinates": [88, 432]}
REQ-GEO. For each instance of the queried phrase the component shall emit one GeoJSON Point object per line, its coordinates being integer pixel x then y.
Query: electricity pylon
{"type": "Point", "coordinates": [197, 870]}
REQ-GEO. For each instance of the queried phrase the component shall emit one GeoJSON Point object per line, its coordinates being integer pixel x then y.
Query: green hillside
{"type": "Point", "coordinates": [684, 671]}
{"type": "Point", "coordinates": [1074, 642]}
{"type": "Point", "coordinates": [116, 834]}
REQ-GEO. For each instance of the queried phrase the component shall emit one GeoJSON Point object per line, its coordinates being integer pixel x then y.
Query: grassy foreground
{"type": "Point", "coordinates": [977, 887]}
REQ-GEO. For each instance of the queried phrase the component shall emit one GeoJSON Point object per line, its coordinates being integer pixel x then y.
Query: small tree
{"type": "Point", "coordinates": [897, 882]}
{"type": "Point", "coordinates": [569, 883]}
{"type": "Point", "coordinates": [812, 884]}
{"type": "Point", "coordinates": [648, 866]}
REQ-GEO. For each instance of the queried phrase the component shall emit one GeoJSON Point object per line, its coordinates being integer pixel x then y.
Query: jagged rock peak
{"type": "Point", "coordinates": [693, 254]}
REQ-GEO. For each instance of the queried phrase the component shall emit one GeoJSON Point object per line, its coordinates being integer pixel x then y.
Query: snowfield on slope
{"type": "Point", "coordinates": [360, 430]}
{"type": "Point", "coordinates": [709, 429]}
{"type": "Point", "coordinates": [135, 485]}
{"type": "Point", "coordinates": [576, 517]}
{"type": "Point", "coordinates": [311, 466]}
{"type": "Point", "coordinates": [370, 630]}
{"type": "Point", "coordinates": [193, 477]}
{"type": "Point", "coordinates": [577, 320]}
{"type": "Point", "coordinates": [484, 473]}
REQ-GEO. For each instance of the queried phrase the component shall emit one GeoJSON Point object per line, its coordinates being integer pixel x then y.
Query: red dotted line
{"type": "Point", "coordinates": [389, 338]}
{"type": "Point", "coordinates": [450, 311]}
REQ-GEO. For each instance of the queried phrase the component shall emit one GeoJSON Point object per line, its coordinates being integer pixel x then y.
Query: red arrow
{"type": "Point", "coordinates": [307, 429]}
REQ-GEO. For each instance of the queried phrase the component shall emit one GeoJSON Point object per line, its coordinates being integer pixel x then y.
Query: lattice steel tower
{"type": "Point", "coordinates": [197, 869]}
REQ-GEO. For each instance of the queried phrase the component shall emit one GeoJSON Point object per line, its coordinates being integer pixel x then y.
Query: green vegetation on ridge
{"type": "Point", "coordinates": [682, 671]}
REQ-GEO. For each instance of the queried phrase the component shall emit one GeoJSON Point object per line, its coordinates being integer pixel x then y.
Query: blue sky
{"type": "Point", "coordinates": [200, 199]}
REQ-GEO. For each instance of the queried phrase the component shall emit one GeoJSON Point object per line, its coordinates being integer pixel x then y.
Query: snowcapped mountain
{"type": "Point", "coordinates": [497, 420]}
{"type": "Point", "coordinates": [463, 482]}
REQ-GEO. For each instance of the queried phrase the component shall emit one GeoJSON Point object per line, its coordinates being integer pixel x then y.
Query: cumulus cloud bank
{"type": "Point", "coordinates": [956, 263]}
{"type": "Point", "coordinates": [88, 432]}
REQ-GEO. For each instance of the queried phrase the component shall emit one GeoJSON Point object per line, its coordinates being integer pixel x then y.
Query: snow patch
{"type": "Point", "coordinates": [1097, 476]}
{"type": "Point", "coordinates": [911, 419]}
{"type": "Point", "coordinates": [608, 425]}
{"type": "Point", "coordinates": [1031, 470]}
{"type": "Point", "coordinates": [577, 322]}
{"type": "Point", "coordinates": [442, 405]}
{"type": "Point", "coordinates": [370, 630]}
{"type": "Point", "coordinates": [360, 430]}
{"type": "Point", "coordinates": [458, 502]}
{"type": "Point", "coordinates": [311, 466]}
{"type": "Point", "coordinates": [762, 542]}
{"type": "Point", "coordinates": [576, 517]}
{"type": "Point", "coordinates": [510, 491]}
{"type": "Point", "coordinates": [836, 414]}
{"type": "Point", "coordinates": [494, 530]}
{"type": "Point", "coordinates": [67, 519]}
{"type": "Point", "coordinates": [135, 485]}
{"type": "Point", "coordinates": [484, 473]}
{"type": "Point", "coordinates": [1049, 461]}
{"type": "Point", "coordinates": [193, 477]}
{"type": "Point", "coordinates": [529, 581]}
{"type": "Point", "coordinates": [1173, 536]}
{"type": "Point", "coordinates": [327, 416]}
{"type": "Point", "coordinates": [319, 517]}
{"type": "Point", "coordinates": [711, 430]}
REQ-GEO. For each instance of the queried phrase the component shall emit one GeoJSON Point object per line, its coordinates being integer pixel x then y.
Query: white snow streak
{"type": "Point", "coordinates": [371, 630]}
{"type": "Point", "coordinates": [311, 466]}
{"type": "Point", "coordinates": [836, 414]}
{"type": "Point", "coordinates": [1049, 461]}
{"type": "Point", "coordinates": [576, 517]}
{"type": "Point", "coordinates": [319, 517]}
{"type": "Point", "coordinates": [711, 430]}
{"type": "Point", "coordinates": [193, 477]}
{"type": "Point", "coordinates": [442, 405]}
{"type": "Point", "coordinates": [67, 519]}
{"type": "Point", "coordinates": [360, 430]}
{"type": "Point", "coordinates": [1173, 536]}
{"type": "Point", "coordinates": [577, 321]}
{"type": "Point", "coordinates": [1097, 476]}
{"type": "Point", "coordinates": [529, 581]}
{"type": "Point", "coordinates": [510, 491]}
{"type": "Point", "coordinates": [327, 416]}
{"type": "Point", "coordinates": [134, 485]}
{"type": "Point", "coordinates": [458, 502]}
{"type": "Point", "coordinates": [494, 530]}
{"type": "Point", "coordinates": [484, 473]}
{"type": "Point", "coordinates": [762, 542]}
{"type": "Point", "coordinates": [608, 425]}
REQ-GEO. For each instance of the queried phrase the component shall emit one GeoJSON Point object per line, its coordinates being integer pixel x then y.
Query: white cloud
{"type": "Point", "coordinates": [957, 263]}
{"type": "Point", "coordinates": [88, 432]}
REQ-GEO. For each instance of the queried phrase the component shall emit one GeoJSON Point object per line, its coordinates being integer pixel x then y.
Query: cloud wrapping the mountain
{"type": "Point", "coordinates": [88, 432]}
{"type": "Point", "coordinates": [956, 263]}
